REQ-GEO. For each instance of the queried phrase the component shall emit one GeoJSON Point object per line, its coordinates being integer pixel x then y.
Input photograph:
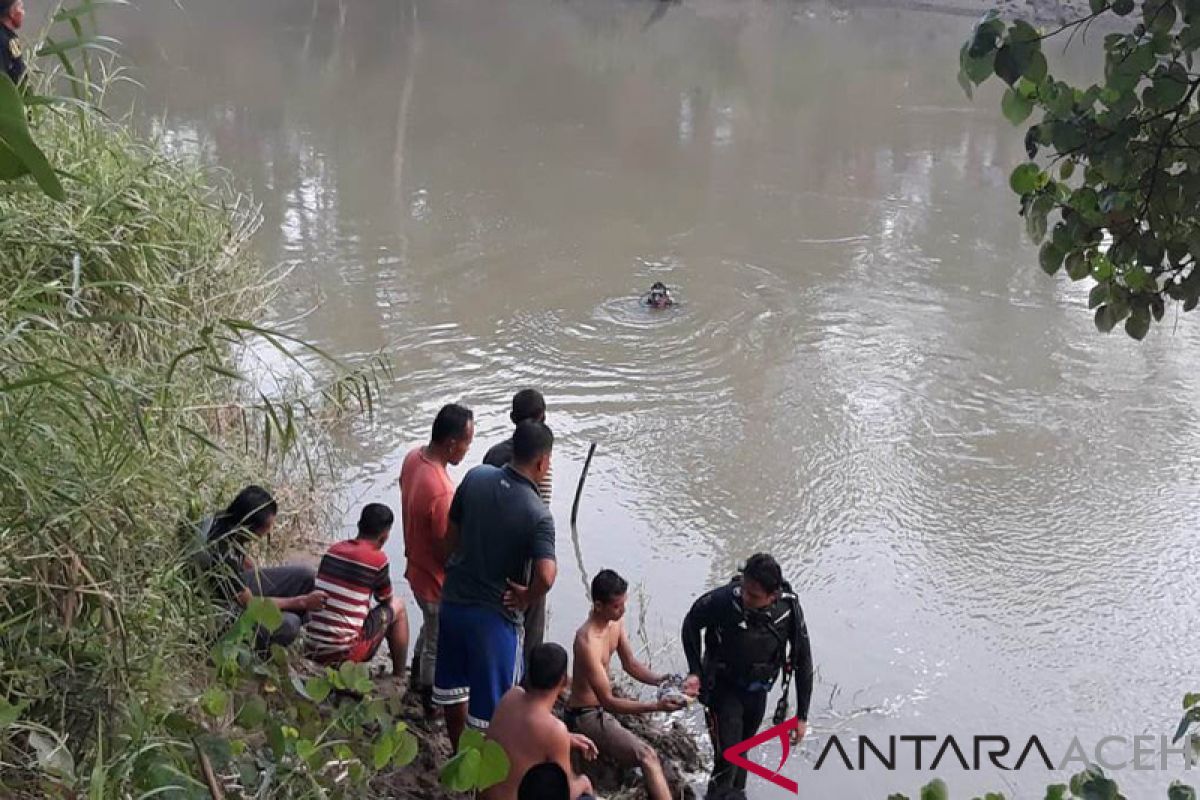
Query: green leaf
{"type": "Point", "coordinates": [317, 688]}
{"type": "Point", "coordinates": [1050, 257]}
{"type": "Point", "coordinates": [470, 739]}
{"type": "Point", "coordinates": [1016, 107]}
{"type": "Point", "coordinates": [1008, 65]}
{"type": "Point", "coordinates": [461, 773]}
{"type": "Point", "coordinates": [935, 790]}
{"type": "Point", "coordinates": [1179, 791]}
{"type": "Point", "coordinates": [1038, 69]}
{"type": "Point", "coordinates": [1024, 178]}
{"type": "Point", "coordinates": [1138, 324]}
{"type": "Point", "coordinates": [1122, 7]}
{"type": "Point", "coordinates": [1170, 87]}
{"type": "Point", "coordinates": [214, 701]}
{"type": "Point", "coordinates": [1098, 295]}
{"type": "Point", "coordinates": [263, 612]}
{"type": "Point", "coordinates": [382, 750]}
{"type": "Point", "coordinates": [14, 134]}
{"type": "Point", "coordinates": [1105, 320]}
{"type": "Point", "coordinates": [1159, 15]}
{"type": "Point", "coordinates": [9, 713]}
{"type": "Point", "coordinates": [1057, 791]}
{"type": "Point", "coordinates": [976, 68]}
{"type": "Point", "coordinates": [1077, 266]}
{"type": "Point", "coordinates": [406, 750]}
{"type": "Point", "coordinates": [1096, 7]}
{"type": "Point", "coordinates": [1190, 699]}
{"type": "Point", "coordinates": [252, 712]}
{"type": "Point", "coordinates": [493, 766]}
{"type": "Point", "coordinates": [309, 753]}
{"type": "Point", "coordinates": [1185, 723]}
{"type": "Point", "coordinates": [1066, 170]}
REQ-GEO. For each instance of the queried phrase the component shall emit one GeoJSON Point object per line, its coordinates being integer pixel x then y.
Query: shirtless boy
{"type": "Point", "coordinates": [525, 726]}
{"type": "Point", "coordinates": [592, 704]}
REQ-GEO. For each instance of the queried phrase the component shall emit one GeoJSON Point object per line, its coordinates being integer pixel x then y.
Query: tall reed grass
{"type": "Point", "coordinates": [127, 407]}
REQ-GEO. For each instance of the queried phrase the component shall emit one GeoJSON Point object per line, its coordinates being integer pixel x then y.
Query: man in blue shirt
{"type": "Point", "coordinates": [501, 541]}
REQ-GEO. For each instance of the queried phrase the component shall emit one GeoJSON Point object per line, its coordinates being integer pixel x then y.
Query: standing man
{"type": "Point", "coordinates": [592, 703]}
{"type": "Point", "coordinates": [12, 60]}
{"type": "Point", "coordinates": [527, 404]}
{"type": "Point", "coordinates": [500, 530]}
{"type": "Point", "coordinates": [749, 626]}
{"type": "Point", "coordinates": [350, 627]}
{"type": "Point", "coordinates": [425, 495]}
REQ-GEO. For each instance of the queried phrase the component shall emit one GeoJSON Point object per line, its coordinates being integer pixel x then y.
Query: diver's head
{"type": "Point", "coordinates": [762, 582]}
{"type": "Point", "coordinates": [659, 296]}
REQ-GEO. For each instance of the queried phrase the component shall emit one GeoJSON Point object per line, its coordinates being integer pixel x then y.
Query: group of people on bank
{"type": "Point", "coordinates": [480, 561]}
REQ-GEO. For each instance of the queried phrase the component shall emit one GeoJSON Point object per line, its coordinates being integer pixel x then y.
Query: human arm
{"type": "Point", "coordinates": [519, 597]}
{"type": "Point", "coordinates": [802, 669]}
{"type": "Point", "coordinates": [564, 742]}
{"type": "Point", "coordinates": [636, 669]}
{"type": "Point", "coordinates": [454, 520]}
{"type": "Point", "coordinates": [702, 614]}
{"type": "Point", "coordinates": [440, 526]}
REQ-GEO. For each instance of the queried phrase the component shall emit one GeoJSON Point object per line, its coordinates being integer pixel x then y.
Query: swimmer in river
{"type": "Point", "coordinates": [658, 296]}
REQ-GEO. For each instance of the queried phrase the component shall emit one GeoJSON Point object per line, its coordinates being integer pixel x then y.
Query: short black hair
{"type": "Point", "coordinates": [764, 570]}
{"type": "Point", "coordinates": [6, 6]}
{"type": "Point", "coordinates": [545, 781]}
{"type": "Point", "coordinates": [530, 441]}
{"type": "Point", "coordinates": [375, 520]}
{"type": "Point", "coordinates": [528, 404]}
{"type": "Point", "coordinates": [547, 666]}
{"type": "Point", "coordinates": [607, 586]}
{"type": "Point", "coordinates": [451, 422]}
{"type": "Point", "coordinates": [659, 286]}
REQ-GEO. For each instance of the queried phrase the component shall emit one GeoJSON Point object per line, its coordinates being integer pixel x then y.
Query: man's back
{"type": "Point", "coordinates": [529, 736]}
{"type": "Point", "coordinates": [503, 525]}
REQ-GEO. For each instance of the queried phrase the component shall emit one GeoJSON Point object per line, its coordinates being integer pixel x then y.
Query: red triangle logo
{"type": "Point", "coordinates": [734, 754]}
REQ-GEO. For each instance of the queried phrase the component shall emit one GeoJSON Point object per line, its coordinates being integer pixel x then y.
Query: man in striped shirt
{"type": "Point", "coordinates": [349, 627]}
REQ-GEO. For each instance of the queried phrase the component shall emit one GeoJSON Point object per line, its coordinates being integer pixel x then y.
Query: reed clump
{"type": "Point", "coordinates": [128, 406]}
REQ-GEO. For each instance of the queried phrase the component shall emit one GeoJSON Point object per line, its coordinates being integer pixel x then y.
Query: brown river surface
{"type": "Point", "coordinates": [987, 508]}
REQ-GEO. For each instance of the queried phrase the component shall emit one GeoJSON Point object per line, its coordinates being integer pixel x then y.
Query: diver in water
{"type": "Point", "coordinates": [658, 296]}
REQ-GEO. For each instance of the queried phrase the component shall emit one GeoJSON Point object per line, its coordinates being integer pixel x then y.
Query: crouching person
{"type": "Point", "coordinates": [352, 574]}
{"type": "Point", "coordinates": [525, 726]}
{"type": "Point", "coordinates": [236, 578]}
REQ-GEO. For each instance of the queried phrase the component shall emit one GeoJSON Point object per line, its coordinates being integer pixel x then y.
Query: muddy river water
{"type": "Point", "coordinates": [989, 509]}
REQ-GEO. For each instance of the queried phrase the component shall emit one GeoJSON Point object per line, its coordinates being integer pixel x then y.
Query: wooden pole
{"type": "Point", "coordinates": [582, 477]}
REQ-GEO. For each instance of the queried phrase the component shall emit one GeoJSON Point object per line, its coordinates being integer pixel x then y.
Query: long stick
{"type": "Point", "coordinates": [582, 478]}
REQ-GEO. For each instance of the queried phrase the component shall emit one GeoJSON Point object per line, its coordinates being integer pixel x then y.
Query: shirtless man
{"type": "Point", "coordinates": [592, 704]}
{"type": "Point", "coordinates": [525, 726]}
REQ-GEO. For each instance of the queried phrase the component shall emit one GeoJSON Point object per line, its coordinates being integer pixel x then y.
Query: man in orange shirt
{"type": "Point", "coordinates": [425, 494]}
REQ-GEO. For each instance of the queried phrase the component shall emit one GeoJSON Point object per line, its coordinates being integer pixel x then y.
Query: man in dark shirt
{"type": "Point", "coordinates": [527, 404]}
{"type": "Point", "coordinates": [752, 628]}
{"type": "Point", "coordinates": [12, 61]}
{"type": "Point", "coordinates": [500, 531]}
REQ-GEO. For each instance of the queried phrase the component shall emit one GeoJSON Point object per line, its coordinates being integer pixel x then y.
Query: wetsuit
{"type": "Point", "coordinates": [12, 62]}
{"type": "Point", "coordinates": [743, 653]}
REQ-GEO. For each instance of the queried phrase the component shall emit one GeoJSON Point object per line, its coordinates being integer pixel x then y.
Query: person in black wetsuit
{"type": "Point", "coordinates": [12, 60]}
{"type": "Point", "coordinates": [659, 296]}
{"type": "Point", "coordinates": [753, 628]}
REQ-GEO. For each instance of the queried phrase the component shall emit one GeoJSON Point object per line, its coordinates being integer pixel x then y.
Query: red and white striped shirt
{"type": "Point", "coordinates": [350, 573]}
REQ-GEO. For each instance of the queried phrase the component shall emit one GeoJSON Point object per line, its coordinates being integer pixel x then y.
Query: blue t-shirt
{"type": "Point", "coordinates": [503, 526]}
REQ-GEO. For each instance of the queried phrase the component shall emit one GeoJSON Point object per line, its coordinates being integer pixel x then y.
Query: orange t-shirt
{"type": "Point", "coordinates": [425, 495]}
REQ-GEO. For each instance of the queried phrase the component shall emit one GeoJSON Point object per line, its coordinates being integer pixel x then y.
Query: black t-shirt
{"type": "Point", "coordinates": [12, 59]}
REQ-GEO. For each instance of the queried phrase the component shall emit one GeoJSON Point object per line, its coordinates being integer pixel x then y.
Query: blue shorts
{"type": "Point", "coordinates": [478, 660]}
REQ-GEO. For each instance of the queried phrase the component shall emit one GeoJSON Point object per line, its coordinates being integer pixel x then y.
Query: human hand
{"type": "Point", "coordinates": [585, 746]}
{"type": "Point", "coordinates": [691, 685]}
{"type": "Point", "coordinates": [516, 597]}
{"type": "Point", "coordinates": [798, 732]}
{"type": "Point", "coordinates": [314, 601]}
{"type": "Point", "coordinates": [670, 704]}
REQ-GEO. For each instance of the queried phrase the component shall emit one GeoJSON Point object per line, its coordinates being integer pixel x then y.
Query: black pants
{"type": "Point", "coordinates": [284, 581]}
{"type": "Point", "coordinates": [734, 715]}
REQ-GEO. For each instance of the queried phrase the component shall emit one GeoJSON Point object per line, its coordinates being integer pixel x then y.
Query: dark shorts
{"type": "Point", "coordinates": [612, 739]}
{"type": "Point", "coordinates": [478, 660]}
{"type": "Point", "coordinates": [364, 648]}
